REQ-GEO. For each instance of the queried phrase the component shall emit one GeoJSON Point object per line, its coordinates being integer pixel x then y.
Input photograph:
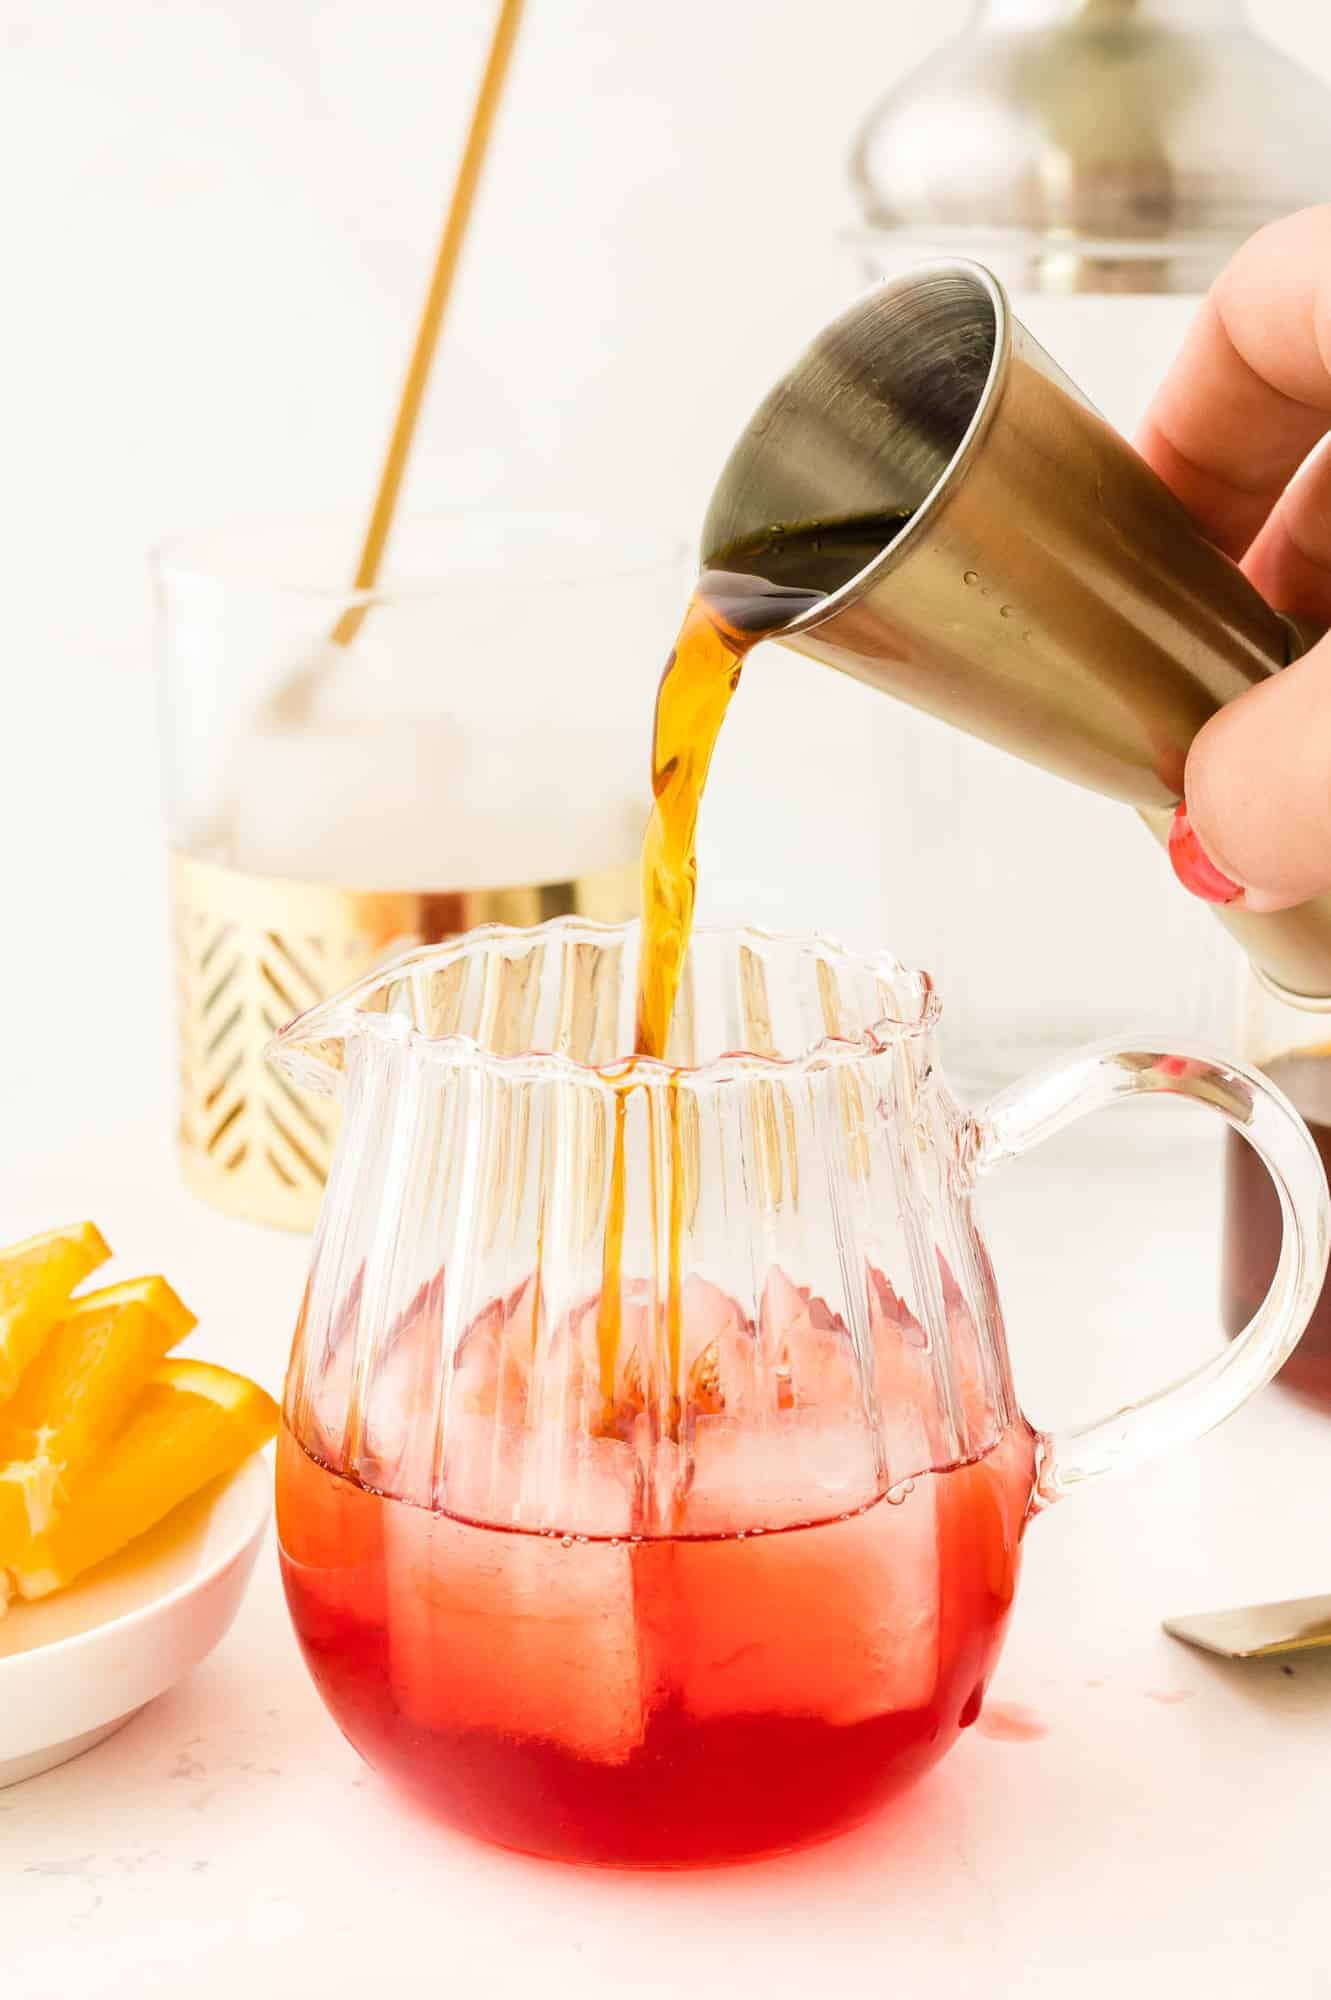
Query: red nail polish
{"type": "Point", "coordinates": [1194, 870]}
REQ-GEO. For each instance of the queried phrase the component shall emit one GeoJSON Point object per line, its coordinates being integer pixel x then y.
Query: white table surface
{"type": "Point", "coordinates": [1167, 1827]}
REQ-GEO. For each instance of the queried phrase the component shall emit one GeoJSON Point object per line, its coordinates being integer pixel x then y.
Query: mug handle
{"type": "Point", "coordinates": [1032, 1110]}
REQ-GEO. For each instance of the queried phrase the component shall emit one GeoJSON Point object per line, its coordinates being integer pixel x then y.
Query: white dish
{"type": "Point", "coordinates": [75, 1666]}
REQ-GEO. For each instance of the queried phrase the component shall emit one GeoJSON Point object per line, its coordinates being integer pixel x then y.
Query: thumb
{"type": "Point", "coordinates": [1258, 786]}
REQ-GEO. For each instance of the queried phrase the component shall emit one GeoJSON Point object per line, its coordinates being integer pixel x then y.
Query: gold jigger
{"type": "Point", "coordinates": [1048, 593]}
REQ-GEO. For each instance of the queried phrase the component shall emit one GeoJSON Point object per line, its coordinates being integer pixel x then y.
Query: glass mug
{"type": "Point", "coordinates": [651, 1483]}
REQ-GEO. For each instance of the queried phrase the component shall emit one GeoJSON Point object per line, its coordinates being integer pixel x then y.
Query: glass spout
{"type": "Point", "coordinates": [311, 1050]}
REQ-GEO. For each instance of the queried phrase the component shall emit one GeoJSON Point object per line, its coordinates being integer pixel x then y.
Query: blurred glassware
{"type": "Point", "coordinates": [476, 754]}
{"type": "Point", "coordinates": [1104, 158]}
{"type": "Point", "coordinates": [1094, 145]}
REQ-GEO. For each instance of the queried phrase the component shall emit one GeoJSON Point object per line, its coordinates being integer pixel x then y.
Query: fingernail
{"type": "Point", "coordinates": [1194, 867]}
{"type": "Point", "coordinates": [1262, 904]}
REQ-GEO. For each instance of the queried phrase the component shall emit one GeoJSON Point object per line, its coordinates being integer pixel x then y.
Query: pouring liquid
{"type": "Point", "coordinates": [726, 617]}
{"type": "Point", "coordinates": [750, 593]}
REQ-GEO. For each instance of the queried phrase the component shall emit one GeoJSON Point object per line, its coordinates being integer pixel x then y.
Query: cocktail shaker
{"type": "Point", "coordinates": [1046, 591]}
{"type": "Point", "coordinates": [1100, 147]}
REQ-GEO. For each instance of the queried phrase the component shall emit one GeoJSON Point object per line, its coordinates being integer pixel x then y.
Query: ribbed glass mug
{"type": "Point", "coordinates": [652, 1482]}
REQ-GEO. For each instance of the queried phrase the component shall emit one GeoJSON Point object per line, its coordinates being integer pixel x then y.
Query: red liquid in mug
{"type": "Point", "coordinates": [654, 1703]}
{"type": "Point", "coordinates": [1252, 1226]}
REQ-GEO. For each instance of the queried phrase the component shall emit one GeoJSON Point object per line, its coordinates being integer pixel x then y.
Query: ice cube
{"type": "Point", "coordinates": [579, 1485]}
{"type": "Point", "coordinates": [911, 1375]}
{"type": "Point", "coordinates": [601, 1378]}
{"type": "Point", "coordinates": [782, 1471]}
{"type": "Point", "coordinates": [718, 1351]}
{"type": "Point", "coordinates": [567, 1390]}
{"type": "Point", "coordinates": [493, 1364]}
{"type": "Point", "coordinates": [525, 1634]}
{"type": "Point", "coordinates": [839, 1621]}
{"type": "Point", "coordinates": [539, 1477]}
{"type": "Point", "coordinates": [369, 1388]}
{"type": "Point", "coordinates": [816, 1364]}
{"type": "Point", "coordinates": [531, 1439]}
{"type": "Point", "coordinates": [399, 1393]}
{"type": "Point", "coordinates": [915, 1433]}
{"type": "Point", "coordinates": [482, 1470]}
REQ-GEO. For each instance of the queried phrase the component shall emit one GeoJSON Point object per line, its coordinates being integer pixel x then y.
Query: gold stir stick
{"type": "Point", "coordinates": [436, 303]}
{"type": "Point", "coordinates": [292, 701]}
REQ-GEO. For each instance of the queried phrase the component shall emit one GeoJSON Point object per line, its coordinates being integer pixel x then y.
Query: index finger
{"type": "Point", "coordinates": [1249, 393]}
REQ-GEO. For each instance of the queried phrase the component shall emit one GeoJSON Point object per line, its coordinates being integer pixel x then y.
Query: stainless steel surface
{"type": "Point", "coordinates": [1258, 1631]}
{"type": "Point", "coordinates": [1048, 594]}
{"type": "Point", "coordinates": [1094, 145]}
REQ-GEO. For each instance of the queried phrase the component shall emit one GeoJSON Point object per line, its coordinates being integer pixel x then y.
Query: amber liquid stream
{"type": "Point", "coordinates": [751, 593]}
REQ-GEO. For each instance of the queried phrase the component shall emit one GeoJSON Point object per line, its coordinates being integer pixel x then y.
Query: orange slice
{"type": "Point", "coordinates": [75, 1396]}
{"type": "Point", "coordinates": [36, 1279]}
{"type": "Point", "coordinates": [192, 1423]}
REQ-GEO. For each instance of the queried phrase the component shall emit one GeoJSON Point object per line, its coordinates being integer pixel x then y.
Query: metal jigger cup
{"type": "Point", "coordinates": [1047, 592]}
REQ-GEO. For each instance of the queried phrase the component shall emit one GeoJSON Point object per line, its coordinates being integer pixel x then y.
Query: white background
{"type": "Point", "coordinates": [217, 219]}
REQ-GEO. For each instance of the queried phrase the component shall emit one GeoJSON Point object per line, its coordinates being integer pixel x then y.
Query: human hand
{"type": "Point", "coordinates": [1246, 400]}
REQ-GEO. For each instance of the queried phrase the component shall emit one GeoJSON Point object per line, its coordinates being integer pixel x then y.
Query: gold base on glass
{"type": "Point", "coordinates": [251, 952]}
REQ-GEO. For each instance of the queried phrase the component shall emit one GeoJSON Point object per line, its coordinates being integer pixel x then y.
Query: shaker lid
{"type": "Point", "coordinates": [1094, 145]}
